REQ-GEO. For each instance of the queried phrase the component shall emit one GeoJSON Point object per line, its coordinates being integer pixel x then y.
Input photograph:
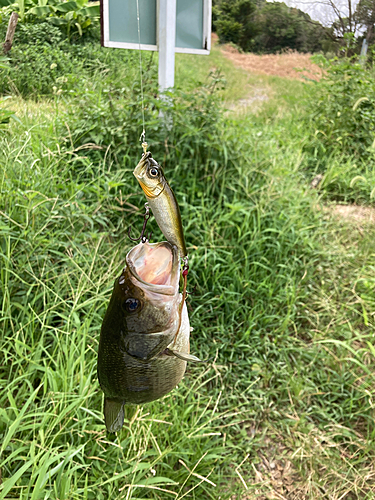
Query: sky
{"type": "Point", "coordinates": [321, 11]}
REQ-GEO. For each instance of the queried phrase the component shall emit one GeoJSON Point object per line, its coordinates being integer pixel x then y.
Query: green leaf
{"type": "Point", "coordinates": [9, 483]}
{"type": "Point", "coordinates": [67, 6]}
{"type": "Point", "coordinates": [92, 11]}
{"type": "Point", "coordinates": [15, 424]}
{"type": "Point", "coordinates": [69, 16]}
{"type": "Point", "coordinates": [41, 11]}
{"type": "Point", "coordinates": [57, 21]}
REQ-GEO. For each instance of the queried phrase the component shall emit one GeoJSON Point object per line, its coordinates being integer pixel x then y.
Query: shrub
{"type": "Point", "coordinates": [42, 62]}
{"type": "Point", "coordinates": [340, 145]}
{"type": "Point", "coordinates": [343, 110]}
{"type": "Point", "coordinates": [192, 126]}
{"type": "Point", "coordinates": [37, 69]}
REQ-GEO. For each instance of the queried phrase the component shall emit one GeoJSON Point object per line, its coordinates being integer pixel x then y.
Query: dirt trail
{"type": "Point", "coordinates": [289, 64]}
{"type": "Point", "coordinates": [352, 213]}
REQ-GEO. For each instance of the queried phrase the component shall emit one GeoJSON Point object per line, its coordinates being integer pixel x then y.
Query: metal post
{"type": "Point", "coordinates": [363, 54]}
{"type": "Point", "coordinates": [166, 43]}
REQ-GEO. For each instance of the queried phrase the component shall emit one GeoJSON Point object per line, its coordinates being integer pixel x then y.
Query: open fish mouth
{"type": "Point", "coordinates": [156, 266]}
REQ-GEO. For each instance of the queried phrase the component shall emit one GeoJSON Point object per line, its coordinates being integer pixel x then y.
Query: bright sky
{"type": "Point", "coordinates": [321, 11]}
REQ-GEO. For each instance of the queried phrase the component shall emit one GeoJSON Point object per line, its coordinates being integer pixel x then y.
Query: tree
{"type": "Point", "coordinates": [263, 26]}
{"type": "Point", "coordinates": [281, 27]}
{"type": "Point", "coordinates": [233, 21]}
{"type": "Point", "coordinates": [338, 19]}
{"type": "Point", "coordinates": [365, 15]}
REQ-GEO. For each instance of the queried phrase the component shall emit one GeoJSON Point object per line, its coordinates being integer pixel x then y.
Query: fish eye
{"type": "Point", "coordinates": [154, 172]}
{"type": "Point", "coordinates": [131, 305]}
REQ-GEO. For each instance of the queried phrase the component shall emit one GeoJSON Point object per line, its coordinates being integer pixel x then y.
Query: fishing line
{"type": "Point", "coordinates": [143, 135]}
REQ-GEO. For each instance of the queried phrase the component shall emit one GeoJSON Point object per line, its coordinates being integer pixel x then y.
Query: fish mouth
{"type": "Point", "coordinates": [140, 174]}
{"type": "Point", "coordinates": [156, 266]}
{"type": "Point", "coordinates": [140, 169]}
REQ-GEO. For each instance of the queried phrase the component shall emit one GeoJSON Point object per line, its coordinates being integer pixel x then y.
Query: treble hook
{"type": "Point", "coordinates": [142, 237]}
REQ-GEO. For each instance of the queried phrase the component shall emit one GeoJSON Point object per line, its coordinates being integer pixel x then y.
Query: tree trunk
{"type": "Point", "coordinates": [369, 34]}
{"type": "Point", "coordinates": [10, 32]}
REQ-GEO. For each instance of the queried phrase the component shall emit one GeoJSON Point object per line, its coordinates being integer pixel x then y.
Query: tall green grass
{"type": "Point", "coordinates": [282, 306]}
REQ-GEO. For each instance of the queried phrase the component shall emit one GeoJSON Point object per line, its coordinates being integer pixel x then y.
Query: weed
{"type": "Point", "coordinates": [283, 304]}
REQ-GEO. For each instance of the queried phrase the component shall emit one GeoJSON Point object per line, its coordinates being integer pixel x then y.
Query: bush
{"type": "Point", "coordinates": [39, 61]}
{"type": "Point", "coordinates": [43, 62]}
{"type": "Point", "coordinates": [340, 145]}
{"type": "Point", "coordinates": [192, 127]}
{"type": "Point", "coordinates": [41, 33]}
{"type": "Point", "coordinates": [343, 110]}
{"type": "Point", "coordinates": [37, 70]}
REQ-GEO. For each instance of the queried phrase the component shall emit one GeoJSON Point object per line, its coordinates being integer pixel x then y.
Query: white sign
{"type": "Point", "coordinates": [167, 26]}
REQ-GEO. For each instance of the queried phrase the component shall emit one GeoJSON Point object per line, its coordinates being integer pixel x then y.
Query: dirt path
{"type": "Point", "coordinates": [360, 216]}
{"type": "Point", "coordinates": [289, 64]}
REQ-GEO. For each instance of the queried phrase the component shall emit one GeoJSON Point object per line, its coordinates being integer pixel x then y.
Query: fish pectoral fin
{"type": "Point", "coordinates": [113, 415]}
{"type": "Point", "coordinates": [185, 356]}
{"type": "Point", "coordinates": [145, 347]}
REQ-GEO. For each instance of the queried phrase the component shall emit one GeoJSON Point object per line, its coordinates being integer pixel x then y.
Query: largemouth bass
{"type": "Point", "coordinates": [138, 359]}
{"type": "Point", "coordinates": [161, 200]}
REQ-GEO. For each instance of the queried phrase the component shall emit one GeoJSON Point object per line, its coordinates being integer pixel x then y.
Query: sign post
{"type": "Point", "coordinates": [166, 43]}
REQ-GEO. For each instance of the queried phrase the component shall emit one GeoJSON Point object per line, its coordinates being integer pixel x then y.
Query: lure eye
{"type": "Point", "coordinates": [154, 172]}
{"type": "Point", "coordinates": [131, 305]}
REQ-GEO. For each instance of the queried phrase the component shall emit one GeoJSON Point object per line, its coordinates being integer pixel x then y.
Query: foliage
{"type": "Point", "coordinates": [343, 109]}
{"type": "Point", "coordinates": [5, 114]}
{"type": "Point", "coordinates": [39, 65]}
{"type": "Point", "coordinates": [365, 15]}
{"type": "Point", "coordinates": [71, 16]}
{"type": "Point", "coordinates": [111, 120]}
{"type": "Point", "coordinates": [233, 22]}
{"type": "Point", "coordinates": [74, 17]}
{"type": "Point", "coordinates": [266, 27]}
{"type": "Point", "coordinates": [42, 62]}
{"type": "Point", "coordinates": [37, 34]}
{"type": "Point", "coordinates": [282, 308]}
{"type": "Point", "coordinates": [281, 27]}
{"type": "Point", "coordinates": [4, 63]}
{"type": "Point", "coordinates": [339, 145]}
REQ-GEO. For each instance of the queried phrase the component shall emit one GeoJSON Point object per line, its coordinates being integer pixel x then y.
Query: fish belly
{"type": "Point", "coordinates": [133, 381]}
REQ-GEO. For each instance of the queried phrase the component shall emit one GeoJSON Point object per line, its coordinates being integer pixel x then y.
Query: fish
{"type": "Point", "coordinates": [161, 200]}
{"type": "Point", "coordinates": [143, 352]}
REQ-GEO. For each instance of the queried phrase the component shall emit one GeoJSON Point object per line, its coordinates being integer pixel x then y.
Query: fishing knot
{"type": "Point", "coordinates": [185, 267]}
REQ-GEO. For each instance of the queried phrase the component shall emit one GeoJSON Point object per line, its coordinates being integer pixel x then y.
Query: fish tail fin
{"type": "Point", "coordinates": [113, 415]}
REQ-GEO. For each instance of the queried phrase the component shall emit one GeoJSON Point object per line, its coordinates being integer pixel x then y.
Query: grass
{"type": "Point", "coordinates": [190, 70]}
{"type": "Point", "coordinates": [283, 305]}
